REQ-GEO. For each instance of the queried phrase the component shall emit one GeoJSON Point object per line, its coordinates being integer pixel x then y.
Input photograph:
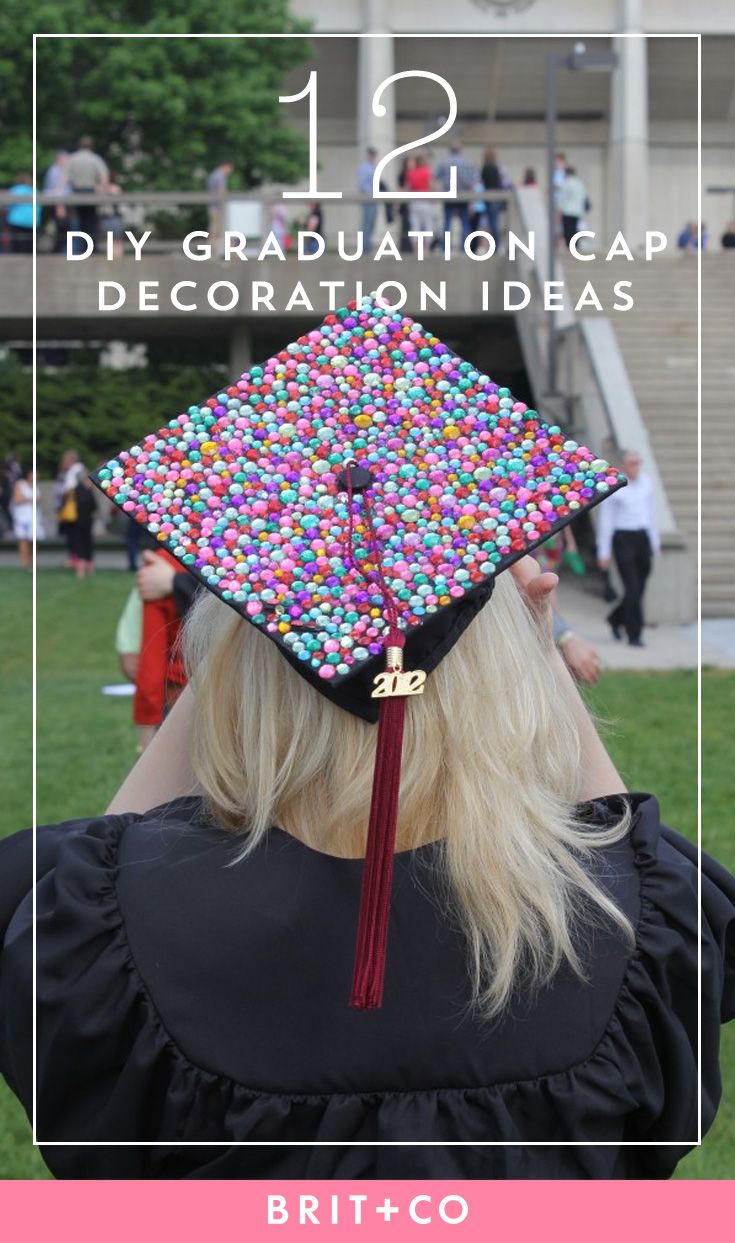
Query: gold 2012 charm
{"type": "Point", "coordinates": [396, 682]}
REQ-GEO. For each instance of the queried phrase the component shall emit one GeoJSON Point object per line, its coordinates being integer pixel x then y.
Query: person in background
{"type": "Point", "coordinates": [529, 177]}
{"type": "Point", "coordinates": [279, 226]}
{"type": "Point", "coordinates": [404, 209]}
{"type": "Point", "coordinates": [628, 532]}
{"type": "Point", "coordinates": [573, 203]}
{"type": "Point", "coordinates": [687, 239]}
{"type": "Point", "coordinates": [421, 211]}
{"type": "Point", "coordinates": [87, 174]}
{"type": "Point", "coordinates": [158, 578]}
{"type": "Point", "coordinates": [217, 183]}
{"type": "Point", "coordinates": [56, 181]}
{"type": "Point", "coordinates": [492, 179]}
{"type": "Point", "coordinates": [466, 182]}
{"type": "Point", "coordinates": [132, 544]}
{"type": "Point", "coordinates": [23, 504]}
{"type": "Point", "coordinates": [478, 222]}
{"type": "Point", "coordinates": [166, 592]}
{"type": "Point", "coordinates": [727, 241]}
{"type": "Point", "coordinates": [65, 503]}
{"type": "Point", "coordinates": [560, 172]}
{"type": "Point", "coordinates": [13, 466]}
{"type": "Point", "coordinates": [19, 217]}
{"type": "Point", "coordinates": [111, 218]}
{"type": "Point", "coordinates": [12, 470]}
{"type": "Point", "coordinates": [693, 236]}
{"type": "Point", "coordinates": [314, 224]}
{"type": "Point", "coordinates": [369, 210]}
{"type": "Point", "coordinates": [7, 482]}
{"type": "Point", "coordinates": [128, 633]}
{"type": "Point", "coordinates": [83, 538]}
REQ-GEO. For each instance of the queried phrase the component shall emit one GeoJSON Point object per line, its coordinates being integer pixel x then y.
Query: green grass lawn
{"type": "Point", "coordinates": [86, 744]}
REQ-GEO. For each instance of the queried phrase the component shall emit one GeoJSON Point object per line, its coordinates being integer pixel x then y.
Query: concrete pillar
{"type": "Point", "coordinates": [375, 62]}
{"type": "Point", "coordinates": [241, 348]}
{"type": "Point", "coordinates": [627, 170]}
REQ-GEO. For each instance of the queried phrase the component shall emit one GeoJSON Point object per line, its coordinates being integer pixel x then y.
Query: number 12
{"type": "Point", "coordinates": [379, 110]}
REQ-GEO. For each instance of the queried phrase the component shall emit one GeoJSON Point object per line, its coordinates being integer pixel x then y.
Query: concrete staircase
{"type": "Point", "coordinates": [658, 341]}
{"type": "Point", "coordinates": [718, 435]}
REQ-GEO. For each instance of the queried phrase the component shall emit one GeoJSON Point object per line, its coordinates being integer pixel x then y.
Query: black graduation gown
{"type": "Point", "coordinates": [184, 1003]}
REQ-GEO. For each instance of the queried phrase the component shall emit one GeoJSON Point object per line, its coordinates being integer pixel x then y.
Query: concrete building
{"type": "Point", "coordinates": [632, 133]}
{"type": "Point", "coordinates": [625, 381]}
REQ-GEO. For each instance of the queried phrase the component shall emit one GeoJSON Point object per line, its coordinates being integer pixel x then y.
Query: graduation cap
{"type": "Point", "coordinates": [355, 498]}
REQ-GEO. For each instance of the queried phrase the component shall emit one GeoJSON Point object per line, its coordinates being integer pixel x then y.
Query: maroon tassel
{"type": "Point", "coordinates": [377, 881]}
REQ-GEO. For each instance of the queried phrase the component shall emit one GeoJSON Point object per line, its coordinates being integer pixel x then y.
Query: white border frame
{"type": "Point", "coordinates": [389, 1144]}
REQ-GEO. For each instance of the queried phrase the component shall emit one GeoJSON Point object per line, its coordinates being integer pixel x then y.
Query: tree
{"type": "Point", "coordinates": [93, 409]}
{"type": "Point", "coordinates": [161, 111]}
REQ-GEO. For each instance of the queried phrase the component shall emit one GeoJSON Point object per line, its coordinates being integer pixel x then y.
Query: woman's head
{"type": "Point", "coordinates": [299, 761]}
{"type": "Point", "coordinates": [490, 765]}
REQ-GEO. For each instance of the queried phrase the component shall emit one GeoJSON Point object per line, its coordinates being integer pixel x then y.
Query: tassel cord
{"type": "Point", "coordinates": [372, 932]}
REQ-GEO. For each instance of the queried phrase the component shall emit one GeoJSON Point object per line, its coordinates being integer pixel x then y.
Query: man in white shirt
{"type": "Point", "coordinates": [627, 531]}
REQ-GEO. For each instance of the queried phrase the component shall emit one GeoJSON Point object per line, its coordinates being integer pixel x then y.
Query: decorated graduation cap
{"type": "Point", "coordinates": [355, 498]}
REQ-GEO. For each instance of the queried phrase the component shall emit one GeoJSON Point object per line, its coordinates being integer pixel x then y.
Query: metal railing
{"type": "Point", "coordinates": [138, 209]}
{"type": "Point", "coordinates": [192, 198]}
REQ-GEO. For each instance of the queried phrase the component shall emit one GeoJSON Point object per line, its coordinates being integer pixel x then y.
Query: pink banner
{"type": "Point", "coordinates": [468, 1212]}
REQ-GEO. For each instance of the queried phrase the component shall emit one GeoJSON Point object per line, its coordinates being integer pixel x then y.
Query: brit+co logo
{"type": "Point", "coordinates": [335, 1210]}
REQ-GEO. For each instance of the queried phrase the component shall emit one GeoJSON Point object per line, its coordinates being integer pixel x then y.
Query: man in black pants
{"type": "Point", "coordinates": [627, 530]}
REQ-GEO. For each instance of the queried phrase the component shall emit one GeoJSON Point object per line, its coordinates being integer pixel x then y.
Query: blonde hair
{"type": "Point", "coordinates": [491, 766]}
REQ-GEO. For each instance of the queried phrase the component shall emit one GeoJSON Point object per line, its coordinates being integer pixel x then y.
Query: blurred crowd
{"type": "Point", "coordinates": [83, 171]}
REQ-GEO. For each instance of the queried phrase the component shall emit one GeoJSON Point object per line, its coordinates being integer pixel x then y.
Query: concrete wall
{"type": "Point", "coordinates": [500, 89]}
{"type": "Point", "coordinates": [560, 16]}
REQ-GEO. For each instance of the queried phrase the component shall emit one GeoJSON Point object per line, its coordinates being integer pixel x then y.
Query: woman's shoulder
{"type": "Point", "coordinates": [674, 877]}
{"type": "Point", "coordinates": [90, 844]}
{"type": "Point", "coordinates": [172, 868]}
{"type": "Point", "coordinates": [652, 871]}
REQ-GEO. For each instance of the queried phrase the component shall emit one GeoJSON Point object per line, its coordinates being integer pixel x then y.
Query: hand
{"type": "Point", "coordinates": [603, 563]}
{"type": "Point", "coordinates": [581, 659]}
{"type": "Point", "coordinates": [536, 588]}
{"type": "Point", "coordinates": [155, 578]}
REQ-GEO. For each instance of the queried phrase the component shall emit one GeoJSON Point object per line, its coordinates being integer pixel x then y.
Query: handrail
{"type": "Point", "coordinates": [192, 198]}
{"type": "Point", "coordinates": [602, 378]}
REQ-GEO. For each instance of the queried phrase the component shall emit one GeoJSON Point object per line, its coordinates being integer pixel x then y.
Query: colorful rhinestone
{"type": "Point", "coordinates": [245, 489]}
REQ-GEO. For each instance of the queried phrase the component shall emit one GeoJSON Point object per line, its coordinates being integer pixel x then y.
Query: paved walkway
{"type": "Point", "coordinates": [667, 647]}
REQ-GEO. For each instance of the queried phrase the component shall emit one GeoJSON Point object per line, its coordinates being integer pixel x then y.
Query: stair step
{"type": "Point", "coordinates": [661, 359]}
